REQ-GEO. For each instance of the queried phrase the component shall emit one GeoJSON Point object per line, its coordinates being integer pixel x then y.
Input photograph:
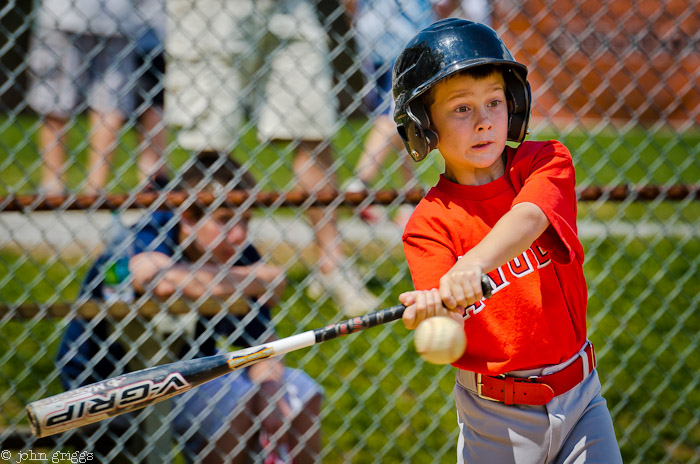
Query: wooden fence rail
{"type": "Point", "coordinates": [296, 199]}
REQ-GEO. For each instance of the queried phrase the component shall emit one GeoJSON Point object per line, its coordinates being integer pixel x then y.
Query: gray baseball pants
{"type": "Point", "coordinates": [575, 427]}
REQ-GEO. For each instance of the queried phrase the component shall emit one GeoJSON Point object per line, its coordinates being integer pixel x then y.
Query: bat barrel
{"type": "Point", "coordinates": [119, 395]}
{"type": "Point", "coordinates": [34, 423]}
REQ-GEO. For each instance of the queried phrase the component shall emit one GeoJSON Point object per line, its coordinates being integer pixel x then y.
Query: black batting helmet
{"type": "Point", "coordinates": [444, 48]}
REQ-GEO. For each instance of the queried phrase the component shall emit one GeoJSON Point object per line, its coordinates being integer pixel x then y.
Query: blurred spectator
{"type": "Point", "coordinates": [382, 28]}
{"type": "Point", "coordinates": [81, 59]}
{"type": "Point", "coordinates": [199, 253]}
{"type": "Point", "coordinates": [224, 55]}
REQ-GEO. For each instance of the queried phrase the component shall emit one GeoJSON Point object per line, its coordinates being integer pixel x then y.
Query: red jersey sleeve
{"type": "Point", "coordinates": [543, 173]}
{"type": "Point", "coordinates": [429, 251]}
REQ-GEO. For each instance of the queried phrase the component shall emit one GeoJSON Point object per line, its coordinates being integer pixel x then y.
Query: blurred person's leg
{"type": "Point", "coordinates": [149, 94]}
{"type": "Point", "coordinates": [153, 139]}
{"type": "Point", "coordinates": [104, 132]}
{"type": "Point", "coordinates": [53, 150]}
{"type": "Point", "coordinates": [312, 169]}
{"type": "Point", "coordinates": [381, 137]}
{"type": "Point", "coordinates": [405, 210]}
{"type": "Point", "coordinates": [300, 106]}
{"type": "Point", "coordinates": [55, 80]}
{"type": "Point", "coordinates": [381, 140]}
{"type": "Point", "coordinates": [110, 99]}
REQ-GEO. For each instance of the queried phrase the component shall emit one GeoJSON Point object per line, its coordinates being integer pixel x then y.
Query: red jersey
{"type": "Point", "coordinates": [537, 314]}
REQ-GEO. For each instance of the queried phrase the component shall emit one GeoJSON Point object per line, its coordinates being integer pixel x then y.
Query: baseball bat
{"type": "Point", "coordinates": [136, 390]}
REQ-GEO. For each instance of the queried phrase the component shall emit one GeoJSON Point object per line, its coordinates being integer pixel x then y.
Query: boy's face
{"type": "Point", "coordinates": [221, 232]}
{"type": "Point", "coordinates": [471, 119]}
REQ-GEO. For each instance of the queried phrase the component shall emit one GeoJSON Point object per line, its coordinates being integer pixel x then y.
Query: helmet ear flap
{"type": "Point", "coordinates": [519, 97]}
{"type": "Point", "coordinates": [516, 124]}
{"type": "Point", "coordinates": [420, 139]}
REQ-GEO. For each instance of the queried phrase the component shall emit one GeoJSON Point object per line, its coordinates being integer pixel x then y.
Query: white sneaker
{"type": "Point", "coordinates": [315, 289]}
{"type": "Point", "coordinates": [355, 185]}
{"type": "Point", "coordinates": [347, 289]}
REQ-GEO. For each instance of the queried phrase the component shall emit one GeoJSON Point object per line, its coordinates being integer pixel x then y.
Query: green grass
{"type": "Point", "coordinates": [633, 156]}
{"type": "Point", "coordinates": [603, 157]}
{"type": "Point", "coordinates": [20, 163]}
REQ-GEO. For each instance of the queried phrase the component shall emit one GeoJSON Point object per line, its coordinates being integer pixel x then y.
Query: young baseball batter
{"type": "Point", "coordinates": [527, 390]}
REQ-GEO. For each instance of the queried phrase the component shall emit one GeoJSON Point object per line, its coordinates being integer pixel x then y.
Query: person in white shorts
{"type": "Point", "coordinates": [78, 61]}
{"type": "Point", "coordinates": [81, 60]}
{"type": "Point", "coordinates": [225, 55]}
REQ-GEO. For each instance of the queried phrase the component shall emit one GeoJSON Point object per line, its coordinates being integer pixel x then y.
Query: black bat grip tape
{"type": "Point", "coordinates": [376, 318]}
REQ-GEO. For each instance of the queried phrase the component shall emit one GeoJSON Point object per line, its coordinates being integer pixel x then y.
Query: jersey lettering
{"type": "Point", "coordinates": [474, 309]}
{"type": "Point", "coordinates": [499, 281]}
{"type": "Point", "coordinates": [520, 266]}
{"type": "Point", "coordinates": [541, 256]}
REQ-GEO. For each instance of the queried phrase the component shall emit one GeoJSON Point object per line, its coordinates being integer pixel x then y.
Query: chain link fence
{"type": "Point", "coordinates": [617, 82]}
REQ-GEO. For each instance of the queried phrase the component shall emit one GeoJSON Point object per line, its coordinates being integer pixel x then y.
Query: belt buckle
{"type": "Point", "coordinates": [480, 384]}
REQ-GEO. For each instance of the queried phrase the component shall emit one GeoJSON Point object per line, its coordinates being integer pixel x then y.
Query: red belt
{"type": "Point", "coordinates": [538, 389]}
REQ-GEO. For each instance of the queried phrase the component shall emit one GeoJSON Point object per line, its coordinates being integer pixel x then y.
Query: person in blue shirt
{"type": "Point", "coordinates": [204, 252]}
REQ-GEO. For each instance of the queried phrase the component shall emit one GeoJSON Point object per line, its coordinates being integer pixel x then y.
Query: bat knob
{"type": "Point", "coordinates": [486, 287]}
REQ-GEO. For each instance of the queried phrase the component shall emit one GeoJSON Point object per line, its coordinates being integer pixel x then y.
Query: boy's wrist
{"type": "Point", "coordinates": [472, 263]}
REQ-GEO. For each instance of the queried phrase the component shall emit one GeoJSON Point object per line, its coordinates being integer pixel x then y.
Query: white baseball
{"type": "Point", "coordinates": [440, 340]}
